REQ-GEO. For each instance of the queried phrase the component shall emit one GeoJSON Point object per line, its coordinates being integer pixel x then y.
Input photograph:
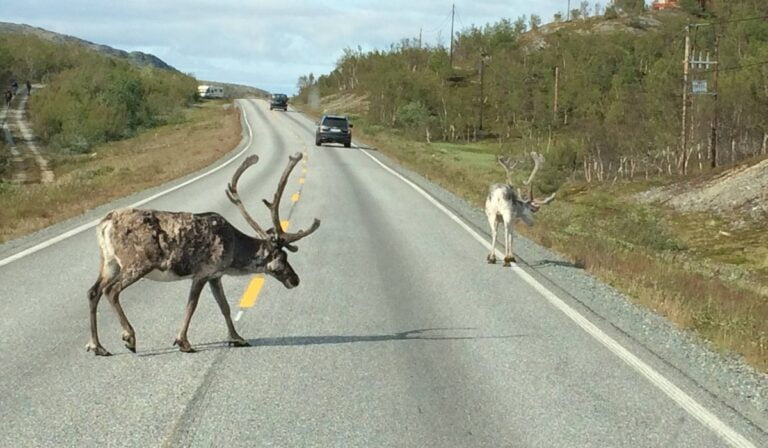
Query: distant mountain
{"type": "Point", "coordinates": [135, 57]}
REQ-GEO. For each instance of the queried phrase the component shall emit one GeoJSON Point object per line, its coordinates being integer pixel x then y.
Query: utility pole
{"type": "Point", "coordinates": [568, 12]}
{"type": "Point", "coordinates": [557, 92]}
{"type": "Point", "coordinates": [686, 67]}
{"type": "Point", "coordinates": [715, 119]}
{"type": "Point", "coordinates": [453, 12]}
{"type": "Point", "coordinates": [482, 78]}
{"type": "Point", "coordinates": [419, 38]}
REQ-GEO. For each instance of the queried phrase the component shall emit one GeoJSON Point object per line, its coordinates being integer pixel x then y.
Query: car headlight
{"type": "Point", "coordinates": [324, 128]}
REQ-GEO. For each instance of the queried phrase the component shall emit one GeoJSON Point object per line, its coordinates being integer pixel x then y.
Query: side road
{"type": "Point", "coordinates": [28, 161]}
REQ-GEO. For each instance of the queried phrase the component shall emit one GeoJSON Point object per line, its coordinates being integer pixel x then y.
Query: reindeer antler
{"type": "Point", "coordinates": [234, 196]}
{"type": "Point", "coordinates": [274, 207]}
{"type": "Point", "coordinates": [538, 161]}
{"type": "Point", "coordinates": [508, 165]}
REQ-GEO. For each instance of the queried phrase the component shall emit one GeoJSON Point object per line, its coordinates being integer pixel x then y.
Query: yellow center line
{"type": "Point", "coordinates": [295, 197]}
{"type": "Point", "coordinates": [301, 181]}
{"type": "Point", "coordinates": [303, 171]}
{"type": "Point", "coordinates": [284, 225]}
{"type": "Point", "coordinates": [252, 292]}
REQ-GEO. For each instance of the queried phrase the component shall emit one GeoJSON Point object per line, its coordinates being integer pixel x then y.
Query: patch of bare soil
{"type": "Point", "coordinates": [345, 103]}
{"type": "Point", "coordinates": [742, 190]}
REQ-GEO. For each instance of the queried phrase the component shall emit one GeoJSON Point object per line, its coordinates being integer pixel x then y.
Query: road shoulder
{"type": "Point", "coordinates": [679, 355]}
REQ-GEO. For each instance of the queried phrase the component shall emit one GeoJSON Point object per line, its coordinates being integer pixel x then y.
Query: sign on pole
{"type": "Point", "coordinates": [699, 86]}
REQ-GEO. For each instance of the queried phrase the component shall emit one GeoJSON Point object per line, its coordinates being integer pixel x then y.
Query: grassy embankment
{"type": "Point", "coordinates": [115, 169]}
{"type": "Point", "coordinates": [676, 264]}
{"type": "Point", "coordinates": [4, 159]}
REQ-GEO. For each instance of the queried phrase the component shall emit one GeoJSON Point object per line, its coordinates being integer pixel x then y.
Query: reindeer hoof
{"type": "Point", "coordinates": [97, 350]}
{"type": "Point", "coordinates": [491, 260]}
{"type": "Point", "coordinates": [508, 261]}
{"type": "Point", "coordinates": [238, 343]}
{"type": "Point", "coordinates": [184, 346]}
{"type": "Point", "coordinates": [130, 342]}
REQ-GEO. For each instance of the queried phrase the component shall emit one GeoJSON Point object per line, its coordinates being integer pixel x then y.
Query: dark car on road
{"type": "Point", "coordinates": [334, 129]}
{"type": "Point", "coordinates": [279, 101]}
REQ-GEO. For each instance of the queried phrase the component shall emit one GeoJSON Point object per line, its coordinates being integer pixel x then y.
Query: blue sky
{"type": "Point", "coordinates": [263, 43]}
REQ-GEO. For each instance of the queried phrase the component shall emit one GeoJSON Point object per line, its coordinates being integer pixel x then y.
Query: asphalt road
{"type": "Point", "coordinates": [399, 335]}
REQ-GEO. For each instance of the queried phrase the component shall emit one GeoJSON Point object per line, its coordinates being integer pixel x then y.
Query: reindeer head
{"type": "Point", "coordinates": [272, 257]}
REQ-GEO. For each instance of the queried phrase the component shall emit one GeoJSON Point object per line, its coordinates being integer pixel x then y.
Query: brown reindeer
{"type": "Point", "coordinates": [203, 247]}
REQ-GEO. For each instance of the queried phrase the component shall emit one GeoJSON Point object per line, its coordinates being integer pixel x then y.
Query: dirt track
{"type": "Point", "coordinates": [28, 163]}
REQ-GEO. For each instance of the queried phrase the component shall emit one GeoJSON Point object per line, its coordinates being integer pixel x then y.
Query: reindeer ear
{"type": "Point", "coordinates": [290, 247]}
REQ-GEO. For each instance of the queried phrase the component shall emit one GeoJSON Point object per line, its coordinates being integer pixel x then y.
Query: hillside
{"type": "Point", "coordinates": [602, 94]}
{"type": "Point", "coordinates": [135, 57]}
{"type": "Point", "coordinates": [93, 93]}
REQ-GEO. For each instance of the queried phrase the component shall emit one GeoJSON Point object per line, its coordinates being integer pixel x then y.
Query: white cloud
{"type": "Point", "coordinates": [265, 43]}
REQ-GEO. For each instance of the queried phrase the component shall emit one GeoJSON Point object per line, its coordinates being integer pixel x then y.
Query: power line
{"type": "Point", "coordinates": [746, 19]}
{"type": "Point", "coordinates": [742, 66]}
{"type": "Point", "coordinates": [458, 16]}
{"type": "Point", "coordinates": [441, 26]}
{"type": "Point", "coordinates": [721, 22]}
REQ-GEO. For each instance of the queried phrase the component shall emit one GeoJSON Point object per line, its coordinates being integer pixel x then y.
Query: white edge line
{"type": "Point", "coordinates": [88, 225]}
{"type": "Point", "coordinates": [238, 315]}
{"type": "Point", "coordinates": [685, 401]}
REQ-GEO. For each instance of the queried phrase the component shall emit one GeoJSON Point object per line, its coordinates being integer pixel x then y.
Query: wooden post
{"type": "Point", "coordinates": [686, 67]}
{"type": "Point", "coordinates": [453, 11]}
{"type": "Point", "coordinates": [713, 137]}
{"type": "Point", "coordinates": [482, 80]}
{"type": "Point", "coordinates": [557, 88]}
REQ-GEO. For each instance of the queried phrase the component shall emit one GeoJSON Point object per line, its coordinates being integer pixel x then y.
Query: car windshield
{"type": "Point", "coordinates": [546, 227]}
{"type": "Point", "coordinates": [335, 123]}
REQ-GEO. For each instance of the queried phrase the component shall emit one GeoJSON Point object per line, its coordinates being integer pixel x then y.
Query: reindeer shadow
{"type": "Point", "coordinates": [301, 341]}
{"type": "Point", "coordinates": [560, 263]}
{"type": "Point", "coordinates": [339, 146]}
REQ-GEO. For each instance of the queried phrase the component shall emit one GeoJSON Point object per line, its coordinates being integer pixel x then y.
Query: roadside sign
{"type": "Point", "coordinates": [699, 86]}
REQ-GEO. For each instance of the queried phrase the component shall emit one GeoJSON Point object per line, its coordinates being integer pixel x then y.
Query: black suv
{"type": "Point", "coordinates": [334, 129]}
{"type": "Point", "coordinates": [279, 101]}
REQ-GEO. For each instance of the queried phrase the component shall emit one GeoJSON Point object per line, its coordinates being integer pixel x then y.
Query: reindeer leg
{"type": "Point", "coordinates": [127, 277]}
{"type": "Point", "coordinates": [109, 274]}
{"type": "Point", "coordinates": [511, 237]}
{"type": "Point", "coordinates": [218, 293]}
{"type": "Point", "coordinates": [129, 336]}
{"type": "Point", "coordinates": [94, 295]}
{"type": "Point", "coordinates": [494, 223]}
{"type": "Point", "coordinates": [194, 296]}
{"type": "Point", "coordinates": [508, 257]}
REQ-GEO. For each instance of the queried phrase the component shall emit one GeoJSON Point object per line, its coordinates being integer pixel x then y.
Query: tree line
{"type": "Point", "coordinates": [601, 93]}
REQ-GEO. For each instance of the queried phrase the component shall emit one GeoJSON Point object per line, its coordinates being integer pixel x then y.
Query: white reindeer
{"type": "Point", "coordinates": [505, 204]}
{"type": "Point", "coordinates": [168, 246]}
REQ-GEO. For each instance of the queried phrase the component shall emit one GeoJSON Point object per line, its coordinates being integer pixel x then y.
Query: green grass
{"type": "Point", "coordinates": [4, 157]}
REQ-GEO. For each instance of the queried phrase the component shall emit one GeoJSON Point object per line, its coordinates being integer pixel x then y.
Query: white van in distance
{"type": "Point", "coordinates": [206, 91]}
